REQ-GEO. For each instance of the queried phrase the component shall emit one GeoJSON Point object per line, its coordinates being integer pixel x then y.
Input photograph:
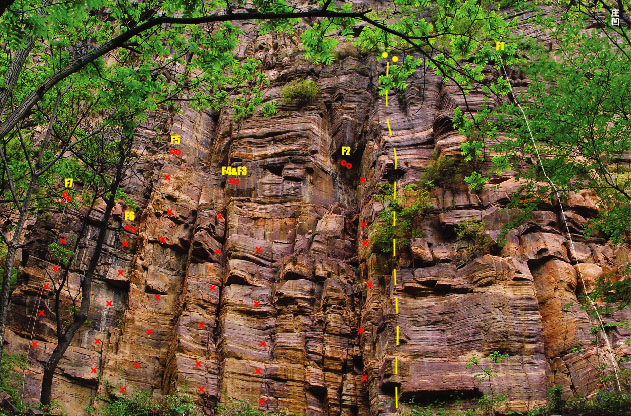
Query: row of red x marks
{"type": "Point", "coordinates": [201, 325]}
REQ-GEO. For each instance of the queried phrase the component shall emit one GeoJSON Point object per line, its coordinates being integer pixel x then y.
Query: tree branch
{"type": "Point", "coordinates": [36, 95]}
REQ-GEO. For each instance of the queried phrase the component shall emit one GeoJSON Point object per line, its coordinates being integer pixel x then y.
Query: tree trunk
{"type": "Point", "coordinates": [4, 294]}
{"type": "Point", "coordinates": [86, 285]}
{"type": "Point", "coordinates": [8, 267]}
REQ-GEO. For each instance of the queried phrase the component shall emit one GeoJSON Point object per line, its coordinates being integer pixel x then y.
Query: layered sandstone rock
{"type": "Point", "coordinates": [272, 274]}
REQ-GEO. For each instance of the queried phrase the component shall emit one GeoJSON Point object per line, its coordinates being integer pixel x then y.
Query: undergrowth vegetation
{"type": "Point", "coordinates": [235, 407]}
{"type": "Point", "coordinates": [141, 403]}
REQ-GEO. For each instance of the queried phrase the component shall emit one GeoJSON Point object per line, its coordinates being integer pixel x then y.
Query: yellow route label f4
{"type": "Point", "coordinates": [229, 170]}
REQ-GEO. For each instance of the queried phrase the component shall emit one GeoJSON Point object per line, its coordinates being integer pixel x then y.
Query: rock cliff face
{"type": "Point", "coordinates": [264, 290]}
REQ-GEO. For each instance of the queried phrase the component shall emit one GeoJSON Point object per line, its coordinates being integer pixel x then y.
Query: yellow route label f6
{"type": "Point", "coordinates": [229, 170]}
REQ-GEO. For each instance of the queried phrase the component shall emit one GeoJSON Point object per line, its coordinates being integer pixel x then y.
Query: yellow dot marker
{"type": "Point", "coordinates": [389, 129]}
{"type": "Point", "coordinates": [395, 59]}
{"type": "Point", "coordinates": [384, 55]}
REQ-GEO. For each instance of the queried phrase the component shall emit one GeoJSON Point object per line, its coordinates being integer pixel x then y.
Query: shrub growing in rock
{"type": "Point", "coordinates": [473, 233]}
{"type": "Point", "coordinates": [300, 92]}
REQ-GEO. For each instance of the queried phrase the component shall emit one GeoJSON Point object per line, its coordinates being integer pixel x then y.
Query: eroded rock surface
{"type": "Point", "coordinates": [273, 274]}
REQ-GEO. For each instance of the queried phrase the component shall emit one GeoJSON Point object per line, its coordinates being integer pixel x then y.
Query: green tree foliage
{"type": "Point", "coordinates": [577, 111]}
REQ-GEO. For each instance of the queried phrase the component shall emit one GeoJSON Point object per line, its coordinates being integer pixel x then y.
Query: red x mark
{"type": "Point", "coordinates": [217, 251]}
{"type": "Point", "coordinates": [220, 216]}
{"type": "Point", "coordinates": [62, 240]}
{"type": "Point", "coordinates": [125, 243]}
{"type": "Point", "coordinates": [149, 331]}
{"type": "Point", "coordinates": [261, 401]}
{"type": "Point", "coordinates": [258, 249]}
{"type": "Point", "coordinates": [257, 303]}
{"type": "Point", "coordinates": [201, 326]}
{"type": "Point", "coordinates": [212, 287]}
{"type": "Point", "coordinates": [200, 389]}
{"type": "Point", "coordinates": [364, 378]}
{"type": "Point", "coordinates": [163, 239]}
{"type": "Point", "coordinates": [156, 297]}
{"type": "Point", "coordinates": [34, 344]}
{"type": "Point", "coordinates": [362, 179]}
{"type": "Point", "coordinates": [364, 224]}
{"type": "Point", "coordinates": [261, 343]}
{"type": "Point", "coordinates": [369, 285]}
{"type": "Point", "coordinates": [123, 390]}
{"type": "Point", "coordinates": [55, 268]}
{"type": "Point", "coordinates": [41, 312]}
{"type": "Point", "coordinates": [198, 363]}
{"type": "Point", "coordinates": [97, 341]}
{"type": "Point", "coordinates": [46, 286]}
{"type": "Point", "coordinates": [257, 371]}
{"type": "Point", "coordinates": [136, 365]}
{"type": "Point", "coordinates": [108, 303]}
{"type": "Point", "coordinates": [360, 330]}
{"type": "Point", "coordinates": [167, 177]}
{"type": "Point", "coordinates": [120, 272]}
{"type": "Point", "coordinates": [365, 243]}
{"type": "Point", "coordinates": [92, 370]}
{"type": "Point", "coordinates": [169, 211]}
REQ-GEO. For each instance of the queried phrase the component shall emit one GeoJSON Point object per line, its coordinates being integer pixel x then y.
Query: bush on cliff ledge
{"type": "Point", "coordinates": [299, 92]}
